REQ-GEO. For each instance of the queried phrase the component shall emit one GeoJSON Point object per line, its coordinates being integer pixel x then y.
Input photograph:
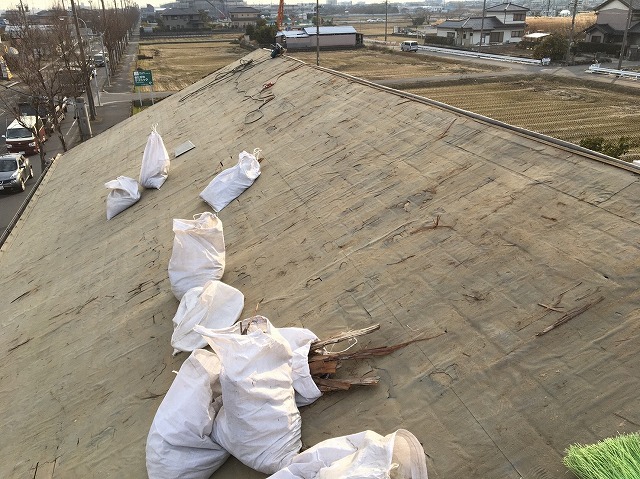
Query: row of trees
{"type": "Point", "coordinates": [50, 60]}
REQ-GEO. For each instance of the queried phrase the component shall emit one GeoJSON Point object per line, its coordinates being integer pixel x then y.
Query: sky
{"type": "Point", "coordinates": [37, 5]}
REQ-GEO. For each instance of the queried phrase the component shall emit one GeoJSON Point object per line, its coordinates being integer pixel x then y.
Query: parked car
{"type": "Point", "coordinates": [15, 170]}
{"type": "Point", "coordinates": [27, 108]}
{"type": "Point", "coordinates": [409, 46]}
{"type": "Point", "coordinates": [25, 134]}
{"type": "Point", "coordinates": [99, 60]}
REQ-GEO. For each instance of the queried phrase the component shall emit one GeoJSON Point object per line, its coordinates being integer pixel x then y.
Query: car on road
{"type": "Point", "coordinates": [99, 60]}
{"type": "Point", "coordinates": [409, 46]}
{"type": "Point", "coordinates": [25, 134]}
{"type": "Point", "coordinates": [15, 170]}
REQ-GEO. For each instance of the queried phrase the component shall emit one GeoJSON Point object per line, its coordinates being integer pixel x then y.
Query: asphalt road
{"type": "Point", "coordinates": [10, 202]}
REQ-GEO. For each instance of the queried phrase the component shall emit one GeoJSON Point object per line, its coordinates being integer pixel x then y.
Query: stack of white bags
{"type": "Point", "coordinates": [242, 399]}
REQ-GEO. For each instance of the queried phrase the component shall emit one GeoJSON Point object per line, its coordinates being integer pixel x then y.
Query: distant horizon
{"type": "Point", "coordinates": [38, 5]}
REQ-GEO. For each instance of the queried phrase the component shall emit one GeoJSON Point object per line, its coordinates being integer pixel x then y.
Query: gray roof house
{"type": "Point", "coordinates": [503, 23]}
{"type": "Point", "coordinates": [518, 254]}
{"type": "Point", "coordinates": [611, 22]}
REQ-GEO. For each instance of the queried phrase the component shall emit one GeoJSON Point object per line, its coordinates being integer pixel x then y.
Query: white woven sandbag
{"type": "Point", "coordinates": [215, 306]}
{"type": "Point", "coordinates": [124, 192]}
{"type": "Point", "coordinates": [198, 253]}
{"type": "Point", "coordinates": [300, 340]}
{"type": "Point", "coordinates": [365, 455]}
{"type": "Point", "coordinates": [259, 422]}
{"type": "Point", "coordinates": [230, 183]}
{"type": "Point", "coordinates": [155, 161]}
{"type": "Point", "coordinates": [179, 444]}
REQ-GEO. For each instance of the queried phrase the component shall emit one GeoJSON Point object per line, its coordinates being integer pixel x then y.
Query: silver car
{"type": "Point", "coordinates": [15, 170]}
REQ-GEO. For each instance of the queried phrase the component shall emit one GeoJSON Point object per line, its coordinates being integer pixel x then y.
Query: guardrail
{"type": "Point", "coordinates": [486, 56]}
{"type": "Point", "coordinates": [471, 54]}
{"type": "Point", "coordinates": [596, 68]}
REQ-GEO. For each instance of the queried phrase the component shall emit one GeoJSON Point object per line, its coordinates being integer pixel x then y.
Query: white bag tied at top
{"type": "Point", "coordinates": [155, 161]}
{"type": "Point", "coordinates": [259, 422]}
{"type": "Point", "coordinates": [179, 444]}
{"type": "Point", "coordinates": [230, 183]}
{"type": "Point", "coordinates": [124, 192]}
{"type": "Point", "coordinates": [300, 340]}
{"type": "Point", "coordinates": [198, 253]}
{"type": "Point", "coordinates": [366, 455]}
{"type": "Point", "coordinates": [215, 306]}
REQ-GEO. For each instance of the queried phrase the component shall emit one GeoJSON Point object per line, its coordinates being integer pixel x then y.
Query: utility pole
{"type": "Point", "coordinates": [386, 18]}
{"type": "Point", "coordinates": [318, 32]}
{"type": "Point", "coordinates": [573, 26]}
{"type": "Point", "coordinates": [83, 59]}
{"type": "Point", "coordinates": [484, 8]}
{"type": "Point", "coordinates": [624, 36]}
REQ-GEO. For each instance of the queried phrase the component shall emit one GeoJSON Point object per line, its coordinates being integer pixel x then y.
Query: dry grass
{"type": "Point", "coordinates": [561, 25]}
{"type": "Point", "coordinates": [178, 65]}
{"type": "Point", "coordinates": [383, 64]}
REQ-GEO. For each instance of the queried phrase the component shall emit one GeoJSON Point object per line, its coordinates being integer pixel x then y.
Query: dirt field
{"type": "Point", "coordinates": [381, 64]}
{"type": "Point", "coordinates": [553, 106]}
{"type": "Point", "coordinates": [178, 65]}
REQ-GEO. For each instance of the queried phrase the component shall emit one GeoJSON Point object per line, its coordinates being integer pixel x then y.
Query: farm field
{"type": "Point", "coordinates": [178, 65]}
{"type": "Point", "coordinates": [559, 107]}
{"type": "Point", "coordinates": [381, 64]}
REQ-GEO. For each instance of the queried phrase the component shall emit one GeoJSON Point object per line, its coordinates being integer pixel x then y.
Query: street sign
{"type": "Point", "coordinates": [142, 78]}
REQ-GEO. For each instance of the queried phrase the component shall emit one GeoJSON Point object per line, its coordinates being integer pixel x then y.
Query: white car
{"type": "Point", "coordinates": [409, 46]}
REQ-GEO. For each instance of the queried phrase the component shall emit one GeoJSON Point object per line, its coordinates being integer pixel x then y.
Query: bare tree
{"type": "Point", "coordinates": [45, 60]}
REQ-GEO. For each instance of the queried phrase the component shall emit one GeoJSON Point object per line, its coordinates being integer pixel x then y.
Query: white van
{"type": "Point", "coordinates": [409, 46]}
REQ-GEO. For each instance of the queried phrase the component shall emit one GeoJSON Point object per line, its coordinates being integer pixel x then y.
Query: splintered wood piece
{"type": "Point", "coordinates": [381, 351]}
{"type": "Point", "coordinates": [569, 316]}
{"type": "Point", "coordinates": [343, 337]}
{"type": "Point", "coordinates": [326, 385]}
{"type": "Point", "coordinates": [323, 367]}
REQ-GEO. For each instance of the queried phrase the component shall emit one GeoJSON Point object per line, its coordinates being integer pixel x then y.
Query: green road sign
{"type": "Point", "coordinates": [142, 78]}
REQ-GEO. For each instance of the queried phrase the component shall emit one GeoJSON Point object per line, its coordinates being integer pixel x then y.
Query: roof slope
{"type": "Point", "coordinates": [372, 207]}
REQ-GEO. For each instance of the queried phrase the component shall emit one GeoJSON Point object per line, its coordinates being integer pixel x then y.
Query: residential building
{"type": "Point", "coordinates": [242, 16]}
{"type": "Point", "coordinates": [184, 19]}
{"type": "Point", "coordinates": [503, 23]}
{"type": "Point", "coordinates": [611, 22]}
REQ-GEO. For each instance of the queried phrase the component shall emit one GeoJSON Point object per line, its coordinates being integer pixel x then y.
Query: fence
{"type": "Point", "coordinates": [596, 68]}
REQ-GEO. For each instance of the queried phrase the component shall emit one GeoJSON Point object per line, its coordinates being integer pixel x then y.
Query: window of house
{"type": "Point", "coordinates": [519, 17]}
{"type": "Point", "coordinates": [496, 37]}
{"type": "Point", "coordinates": [516, 34]}
{"type": "Point", "coordinates": [451, 35]}
{"type": "Point", "coordinates": [464, 35]}
{"type": "Point", "coordinates": [596, 39]}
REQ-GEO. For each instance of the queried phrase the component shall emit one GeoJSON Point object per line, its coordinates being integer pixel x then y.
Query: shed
{"type": "Point", "coordinates": [330, 37]}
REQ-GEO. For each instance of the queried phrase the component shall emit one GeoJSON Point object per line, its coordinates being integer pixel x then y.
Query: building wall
{"type": "Point", "coordinates": [342, 40]}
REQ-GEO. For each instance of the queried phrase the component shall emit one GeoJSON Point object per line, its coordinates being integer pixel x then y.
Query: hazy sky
{"type": "Point", "coordinates": [46, 4]}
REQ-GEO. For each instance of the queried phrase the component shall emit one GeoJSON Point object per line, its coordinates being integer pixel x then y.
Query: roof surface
{"type": "Point", "coordinates": [373, 206]}
{"type": "Point", "coordinates": [507, 7]}
{"type": "Point", "coordinates": [330, 30]}
{"type": "Point", "coordinates": [475, 23]}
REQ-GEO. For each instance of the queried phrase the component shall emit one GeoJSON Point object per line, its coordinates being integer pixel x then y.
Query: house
{"type": "Point", "coordinates": [373, 207]}
{"type": "Point", "coordinates": [184, 19]}
{"type": "Point", "coordinates": [611, 22]}
{"type": "Point", "coordinates": [503, 23]}
{"type": "Point", "coordinates": [330, 37]}
{"type": "Point", "coordinates": [241, 17]}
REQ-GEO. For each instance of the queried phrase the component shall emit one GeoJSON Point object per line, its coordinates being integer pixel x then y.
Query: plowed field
{"type": "Point", "coordinates": [554, 106]}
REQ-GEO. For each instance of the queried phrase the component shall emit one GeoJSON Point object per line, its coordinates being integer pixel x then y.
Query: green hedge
{"type": "Point", "coordinates": [609, 48]}
{"type": "Point", "coordinates": [435, 40]}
